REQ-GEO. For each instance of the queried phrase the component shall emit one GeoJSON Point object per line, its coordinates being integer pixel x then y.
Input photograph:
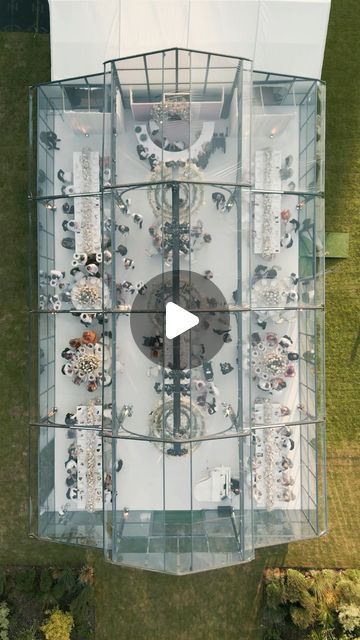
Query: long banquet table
{"type": "Point", "coordinates": [87, 208]}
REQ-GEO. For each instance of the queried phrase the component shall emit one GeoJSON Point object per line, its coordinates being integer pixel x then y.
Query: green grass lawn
{"type": "Point", "coordinates": [225, 603]}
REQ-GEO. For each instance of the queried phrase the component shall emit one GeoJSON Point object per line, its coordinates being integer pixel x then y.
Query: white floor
{"type": "Point", "coordinates": [145, 473]}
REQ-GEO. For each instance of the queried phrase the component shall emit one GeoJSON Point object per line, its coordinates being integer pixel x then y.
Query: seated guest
{"type": "Point", "coordinates": [153, 161]}
{"type": "Point", "coordinates": [153, 127]}
{"type": "Point", "coordinates": [89, 337]}
{"type": "Point", "coordinates": [141, 151]}
{"type": "Point", "coordinates": [67, 208]}
{"type": "Point", "coordinates": [292, 356]}
{"type": "Point", "coordinates": [70, 419]}
{"type": "Point", "coordinates": [107, 481]}
{"type": "Point", "coordinates": [122, 250]}
{"type": "Point", "coordinates": [70, 464]}
{"type": "Point", "coordinates": [67, 353]}
{"type": "Point", "coordinates": [123, 229]}
{"type": "Point", "coordinates": [72, 493]}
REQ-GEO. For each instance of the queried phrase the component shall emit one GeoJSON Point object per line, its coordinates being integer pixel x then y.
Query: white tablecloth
{"type": "Point", "coordinates": [259, 413]}
{"type": "Point", "coordinates": [87, 209]}
{"type": "Point", "coordinates": [89, 464]}
{"type": "Point", "coordinates": [267, 169]}
{"type": "Point", "coordinates": [275, 222]}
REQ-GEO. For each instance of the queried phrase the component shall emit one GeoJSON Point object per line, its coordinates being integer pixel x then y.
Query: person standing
{"type": "Point", "coordinates": [218, 198]}
{"type": "Point", "coordinates": [50, 139]}
{"type": "Point", "coordinates": [138, 219]}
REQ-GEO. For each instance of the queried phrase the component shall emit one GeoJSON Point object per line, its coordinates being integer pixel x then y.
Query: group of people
{"type": "Point", "coordinates": [76, 471]}
{"type": "Point", "coordinates": [291, 227]}
{"type": "Point", "coordinates": [189, 239]}
{"type": "Point", "coordinates": [84, 361]}
{"type": "Point", "coordinates": [272, 463]}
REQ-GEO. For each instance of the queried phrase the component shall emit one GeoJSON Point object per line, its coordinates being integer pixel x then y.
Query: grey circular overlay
{"type": "Point", "coordinates": [194, 293]}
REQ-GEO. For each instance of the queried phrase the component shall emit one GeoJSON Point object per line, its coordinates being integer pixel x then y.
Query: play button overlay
{"type": "Point", "coordinates": [180, 320]}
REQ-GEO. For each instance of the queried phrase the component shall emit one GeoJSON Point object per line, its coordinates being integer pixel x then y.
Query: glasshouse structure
{"type": "Point", "coordinates": [167, 162]}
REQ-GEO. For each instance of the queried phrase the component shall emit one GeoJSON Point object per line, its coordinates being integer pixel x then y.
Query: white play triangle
{"type": "Point", "coordinates": [178, 320]}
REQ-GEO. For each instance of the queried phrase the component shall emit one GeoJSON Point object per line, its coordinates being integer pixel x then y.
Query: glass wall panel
{"type": "Point", "coordinates": [135, 524]}
{"type": "Point", "coordinates": [186, 514]}
{"type": "Point", "coordinates": [288, 492]}
{"type": "Point", "coordinates": [69, 134]}
{"type": "Point", "coordinates": [67, 485]}
{"type": "Point", "coordinates": [73, 255]}
{"type": "Point", "coordinates": [311, 365]}
{"type": "Point", "coordinates": [287, 368]}
{"type": "Point", "coordinates": [183, 115]}
{"type": "Point", "coordinates": [288, 149]}
{"type": "Point", "coordinates": [288, 245]}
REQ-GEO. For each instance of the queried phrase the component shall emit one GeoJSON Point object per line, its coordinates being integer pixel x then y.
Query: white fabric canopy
{"type": "Point", "coordinates": [282, 36]}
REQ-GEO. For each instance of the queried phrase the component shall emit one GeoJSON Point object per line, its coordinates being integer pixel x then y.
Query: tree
{"type": "Point", "coordinates": [27, 634]}
{"type": "Point", "coordinates": [322, 586]}
{"type": "Point", "coordinates": [274, 594]}
{"type": "Point", "coordinates": [348, 590]}
{"type": "Point", "coordinates": [86, 575]}
{"type": "Point", "coordinates": [58, 625]}
{"type": "Point", "coordinates": [354, 575]}
{"type": "Point", "coordinates": [304, 616]}
{"type": "Point", "coordinates": [296, 587]}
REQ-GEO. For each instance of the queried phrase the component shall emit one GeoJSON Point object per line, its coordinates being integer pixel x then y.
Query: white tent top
{"type": "Point", "coordinates": [286, 36]}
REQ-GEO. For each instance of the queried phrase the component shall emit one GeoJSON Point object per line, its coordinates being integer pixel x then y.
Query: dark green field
{"type": "Point", "coordinates": [224, 604]}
